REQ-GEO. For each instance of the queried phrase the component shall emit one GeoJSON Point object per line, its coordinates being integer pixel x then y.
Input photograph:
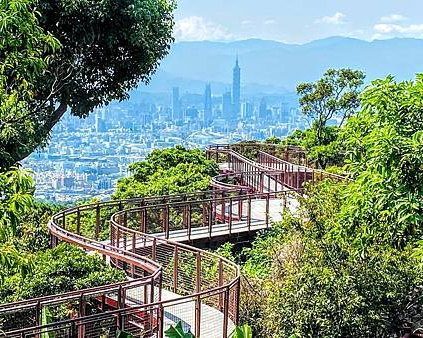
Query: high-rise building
{"type": "Point", "coordinates": [247, 110]}
{"type": "Point", "coordinates": [236, 89]}
{"type": "Point", "coordinates": [227, 106]}
{"type": "Point", "coordinates": [207, 103]}
{"type": "Point", "coordinates": [176, 104]}
{"type": "Point", "coordinates": [191, 113]}
{"type": "Point", "coordinates": [263, 113]}
{"type": "Point", "coordinates": [100, 125]}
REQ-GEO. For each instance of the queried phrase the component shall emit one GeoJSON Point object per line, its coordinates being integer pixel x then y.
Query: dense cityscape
{"type": "Point", "coordinates": [86, 157]}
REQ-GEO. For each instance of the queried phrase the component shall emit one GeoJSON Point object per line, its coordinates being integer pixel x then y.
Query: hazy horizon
{"type": "Point", "coordinates": [297, 21]}
{"type": "Point", "coordinates": [270, 66]}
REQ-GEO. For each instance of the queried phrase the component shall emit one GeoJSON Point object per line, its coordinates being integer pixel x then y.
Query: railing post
{"type": "Point", "coordinates": [64, 220]}
{"type": "Point", "coordinates": [119, 301]}
{"type": "Point", "coordinates": [204, 207]}
{"type": "Point", "coordinates": [37, 313]}
{"type": "Point", "coordinates": [175, 270]}
{"type": "Point", "coordinates": [223, 211]}
{"type": "Point", "coordinates": [197, 316]}
{"type": "Point", "coordinates": [225, 312]}
{"type": "Point", "coordinates": [211, 216]}
{"type": "Point", "coordinates": [78, 221]}
{"type": "Point", "coordinates": [240, 205]}
{"type": "Point", "coordinates": [188, 211]}
{"type": "Point", "coordinates": [198, 272]}
{"type": "Point", "coordinates": [153, 249]}
{"type": "Point", "coordinates": [230, 216]}
{"type": "Point", "coordinates": [145, 293]}
{"type": "Point", "coordinates": [275, 178]}
{"type": "Point", "coordinates": [261, 182]}
{"type": "Point", "coordinates": [160, 320]}
{"type": "Point", "coordinates": [72, 330]}
{"type": "Point", "coordinates": [97, 221]}
{"type": "Point", "coordinates": [249, 212]}
{"type": "Point", "coordinates": [152, 291]}
{"type": "Point", "coordinates": [268, 183]}
{"type": "Point", "coordinates": [220, 283]}
{"type": "Point", "coordinates": [142, 218]}
{"type": "Point", "coordinates": [165, 220]}
{"type": "Point", "coordinates": [81, 313]}
{"type": "Point", "coordinates": [125, 235]}
{"type": "Point", "coordinates": [134, 251]}
{"type": "Point", "coordinates": [267, 209]}
{"type": "Point", "coordinates": [238, 296]}
{"type": "Point", "coordinates": [298, 177]}
{"type": "Point", "coordinates": [198, 299]}
{"type": "Point", "coordinates": [214, 196]}
{"type": "Point", "coordinates": [125, 219]}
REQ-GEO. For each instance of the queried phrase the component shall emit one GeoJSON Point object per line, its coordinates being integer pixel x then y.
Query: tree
{"type": "Point", "coordinates": [335, 95]}
{"type": "Point", "coordinates": [107, 47]}
{"type": "Point", "coordinates": [16, 187]}
{"type": "Point", "coordinates": [307, 281]}
{"type": "Point", "coordinates": [168, 171]}
{"type": "Point", "coordinates": [24, 57]}
{"type": "Point", "coordinates": [384, 145]}
{"type": "Point", "coordinates": [349, 264]}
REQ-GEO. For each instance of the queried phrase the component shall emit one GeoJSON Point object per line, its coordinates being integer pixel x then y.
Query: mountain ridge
{"type": "Point", "coordinates": [277, 65]}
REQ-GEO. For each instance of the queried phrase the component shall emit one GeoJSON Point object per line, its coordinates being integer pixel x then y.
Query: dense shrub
{"type": "Point", "coordinates": [168, 171]}
{"type": "Point", "coordinates": [304, 280]}
{"type": "Point", "coordinates": [62, 269]}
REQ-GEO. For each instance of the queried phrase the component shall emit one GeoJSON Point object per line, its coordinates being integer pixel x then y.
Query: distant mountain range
{"type": "Point", "coordinates": [275, 67]}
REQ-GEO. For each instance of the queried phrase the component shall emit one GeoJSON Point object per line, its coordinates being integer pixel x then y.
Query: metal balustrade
{"type": "Point", "coordinates": [168, 280]}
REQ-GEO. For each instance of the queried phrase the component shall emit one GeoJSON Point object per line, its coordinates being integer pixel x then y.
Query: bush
{"type": "Point", "coordinates": [62, 269]}
{"type": "Point", "coordinates": [308, 281]}
{"type": "Point", "coordinates": [168, 171]}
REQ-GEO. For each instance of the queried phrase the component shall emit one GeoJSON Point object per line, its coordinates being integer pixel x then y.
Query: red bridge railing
{"type": "Point", "coordinates": [168, 281]}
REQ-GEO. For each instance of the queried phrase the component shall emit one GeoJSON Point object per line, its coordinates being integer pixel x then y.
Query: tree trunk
{"type": "Point", "coordinates": [19, 152]}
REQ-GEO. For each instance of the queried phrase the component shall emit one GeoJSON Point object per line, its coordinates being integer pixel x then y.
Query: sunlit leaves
{"type": "Point", "coordinates": [24, 58]}
{"type": "Point", "coordinates": [168, 171]}
{"type": "Point", "coordinates": [64, 268]}
{"type": "Point", "coordinates": [335, 96]}
{"type": "Point", "coordinates": [77, 54]}
{"type": "Point", "coordinates": [385, 152]}
{"type": "Point", "coordinates": [16, 198]}
{"type": "Point", "coordinates": [178, 332]}
{"type": "Point", "coordinates": [243, 331]}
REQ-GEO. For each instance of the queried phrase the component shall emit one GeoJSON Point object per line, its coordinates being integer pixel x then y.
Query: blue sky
{"type": "Point", "coordinates": [297, 21]}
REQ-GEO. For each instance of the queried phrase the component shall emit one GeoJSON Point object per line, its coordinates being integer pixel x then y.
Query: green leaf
{"type": "Point", "coordinates": [123, 334]}
{"type": "Point", "coordinates": [243, 331]}
{"type": "Point", "coordinates": [178, 332]}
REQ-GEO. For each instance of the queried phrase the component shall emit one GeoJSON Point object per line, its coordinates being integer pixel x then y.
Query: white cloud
{"type": "Point", "coordinates": [393, 18]}
{"type": "Point", "coordinates": [196, 28]}
{"type": "Point", "coordinates": [246, 22]}
{"type": "Point", "coordinates": [385, 28]}
{"type": "Point", "coordinates": [269, 22]}
{"type": "Point", "coordinates": [336, 19]}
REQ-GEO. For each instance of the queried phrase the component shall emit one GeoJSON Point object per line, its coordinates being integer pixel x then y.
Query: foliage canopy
{"type": "Point", "coordinates": [173, 170]}
{"type": "Point", "coordinates": [94, 53]}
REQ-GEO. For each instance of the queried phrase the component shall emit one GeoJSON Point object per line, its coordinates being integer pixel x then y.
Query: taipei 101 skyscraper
{"type": "Point", "coordinates": [236, 89]}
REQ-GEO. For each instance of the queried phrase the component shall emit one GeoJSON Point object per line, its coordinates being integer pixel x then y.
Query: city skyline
{"type": "Point", "coordinates": [86, 157]}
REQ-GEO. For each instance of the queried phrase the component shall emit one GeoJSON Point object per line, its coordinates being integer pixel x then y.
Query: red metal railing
{"type": "Point", "coordinates": [267, 168]}
{"type": "Point", "coordinates": [168, 280]}
{"type": "Point", "coordinates": [137, 304]}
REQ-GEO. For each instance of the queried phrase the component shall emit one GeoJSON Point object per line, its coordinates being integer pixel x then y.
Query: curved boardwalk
{"type": "Point", "coordinates": [150, 239]}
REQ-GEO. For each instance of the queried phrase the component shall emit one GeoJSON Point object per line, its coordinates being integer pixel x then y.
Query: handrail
{"type": "Point", "coordinates": [157, 264]}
